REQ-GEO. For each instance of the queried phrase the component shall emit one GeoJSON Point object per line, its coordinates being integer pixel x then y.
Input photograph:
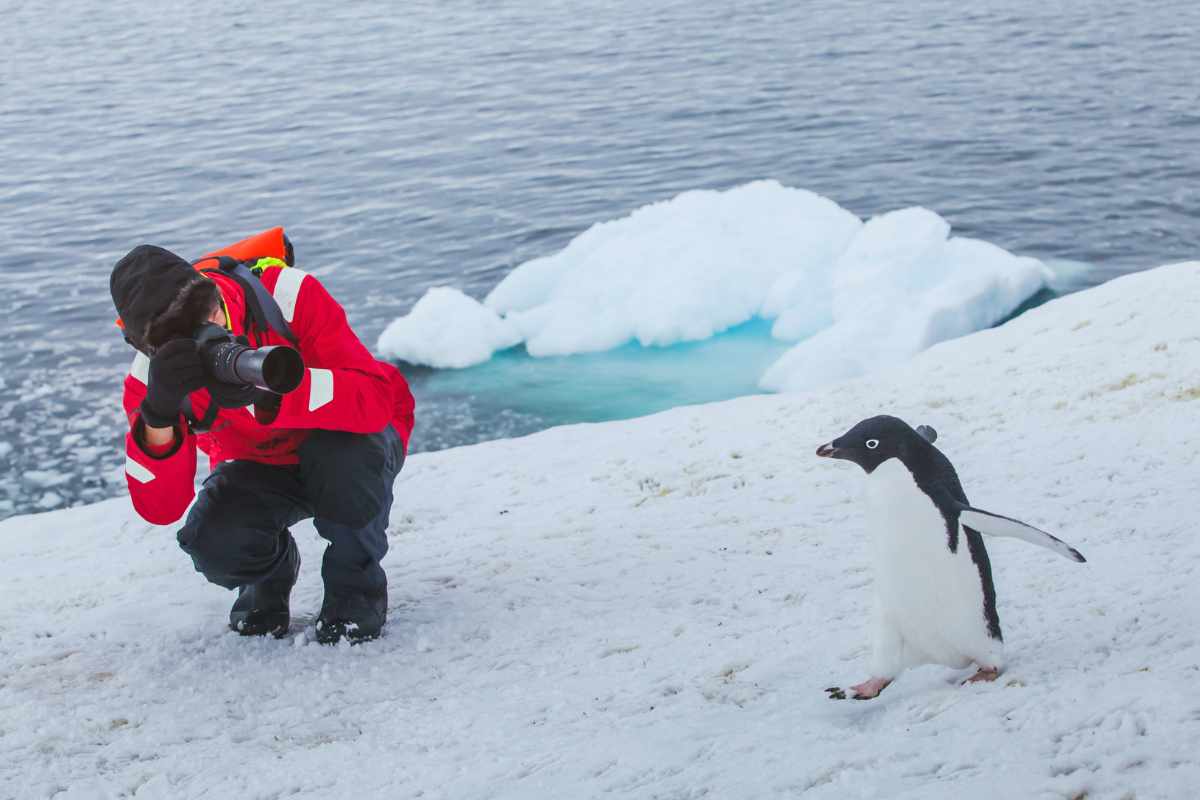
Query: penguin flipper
{"type": "Point", "coordinates": [927, 433]}
{"type": "Point", "coordinates": [996, 525]}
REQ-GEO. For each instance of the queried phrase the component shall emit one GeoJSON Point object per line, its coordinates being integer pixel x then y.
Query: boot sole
{"type": "Point", "coordinates": [332, 633]}
{"type": "Point", "coordinates": [277, 627]}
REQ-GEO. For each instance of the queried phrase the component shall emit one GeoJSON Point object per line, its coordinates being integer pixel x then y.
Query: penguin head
{"type": "Point", "coordinates": [873, 441]}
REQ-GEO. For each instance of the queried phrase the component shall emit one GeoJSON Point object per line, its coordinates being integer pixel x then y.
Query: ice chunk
{"type": "Point", "coordinates": [900, 287]}
{"type": "Point", "coordinates": [50, 500]}
{"type": "Point", "coordinates": [446, 328]}
{"type": "Point", "coordinates": [854, 296]}
{"type": "Point", "coordinates": [681, 270]}
{"type": "Point", "coordinates": [894, 255]}
{"type": "Point", "coordinates": [529, 285]}
{"type": "Point", "coordinates": [801, 303]}
{"type": "Point", "coordinates": [45, 479]}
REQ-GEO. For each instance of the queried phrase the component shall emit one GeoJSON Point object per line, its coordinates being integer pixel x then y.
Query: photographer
{"type": "Point", "coordinates": [329, 449]}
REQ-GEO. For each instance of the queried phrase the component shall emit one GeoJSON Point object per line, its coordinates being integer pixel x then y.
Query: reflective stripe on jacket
{"type": "Point", "coordinates": [344, 388]}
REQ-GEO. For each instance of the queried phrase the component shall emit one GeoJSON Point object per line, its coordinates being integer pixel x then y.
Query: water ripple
{"type": "Point", "coordinates": [448, 142]}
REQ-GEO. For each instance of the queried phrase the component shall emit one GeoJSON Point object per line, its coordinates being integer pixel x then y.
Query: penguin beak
{"type": "Point", "coordinates": [829, 451]}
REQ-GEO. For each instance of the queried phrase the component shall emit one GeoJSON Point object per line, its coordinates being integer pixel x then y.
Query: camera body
{"type": "Point", "coordinates": [229, 359]}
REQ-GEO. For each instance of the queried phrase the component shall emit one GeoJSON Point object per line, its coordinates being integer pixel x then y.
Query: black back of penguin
{"type": "Point", "coordinates": [878, 439]}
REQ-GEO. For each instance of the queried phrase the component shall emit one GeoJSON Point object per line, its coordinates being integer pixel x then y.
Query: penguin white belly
{"type": "Point", "coordinates": [930, 603]}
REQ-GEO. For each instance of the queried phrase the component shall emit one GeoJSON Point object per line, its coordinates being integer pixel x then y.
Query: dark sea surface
{"type": "Point", "coordinates": [427, 144]}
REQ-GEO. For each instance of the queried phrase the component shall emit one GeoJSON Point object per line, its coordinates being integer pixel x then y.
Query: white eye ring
{"type": "Point", "coordinates": [872, 444]}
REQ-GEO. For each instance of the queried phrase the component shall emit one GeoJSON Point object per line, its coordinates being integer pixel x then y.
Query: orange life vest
{"type": "Point", "coordinates": [272, 243]}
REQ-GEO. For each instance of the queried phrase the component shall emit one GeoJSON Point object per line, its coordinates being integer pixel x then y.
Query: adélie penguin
{"type": "Point", "coordinates": [934, 597]}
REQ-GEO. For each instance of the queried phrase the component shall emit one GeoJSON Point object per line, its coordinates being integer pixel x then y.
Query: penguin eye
{"type": "Point", "coordinates": [872, 444]}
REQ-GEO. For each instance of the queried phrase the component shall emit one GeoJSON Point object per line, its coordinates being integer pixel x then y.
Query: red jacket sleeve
{"type": "Point", "coordinates": [344, 387]}
{"type": "Point", "coordinates": [161, 487]}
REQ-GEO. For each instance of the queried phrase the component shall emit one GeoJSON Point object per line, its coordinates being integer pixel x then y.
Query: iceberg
{"type": "Point", "coordinates": [678, 271]}
{"type": "Point", "coordinates": [447, 329]}
{"type": "Point", "coordinates": [902, 286]}
{"type": "Point", "coordinates": [851, 296]}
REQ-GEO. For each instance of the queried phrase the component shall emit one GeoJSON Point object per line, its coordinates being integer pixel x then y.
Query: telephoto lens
{"type": "Point", "coordinates": [276, 368]}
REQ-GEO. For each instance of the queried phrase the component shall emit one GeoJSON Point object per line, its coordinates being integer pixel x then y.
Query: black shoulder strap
{"type": "Point", "coordinates": [264, 311]}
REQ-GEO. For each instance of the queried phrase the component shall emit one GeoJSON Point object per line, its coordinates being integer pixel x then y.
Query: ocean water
{"type": "Point", "coordinates": [445, 143]}
{"type": "Point", "coordinates": [513, 394]}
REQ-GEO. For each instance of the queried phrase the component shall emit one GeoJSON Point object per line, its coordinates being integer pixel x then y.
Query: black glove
{"type": "Point", "coordinates": [233, 395]}
{"type": "Point", "coordinates": [175, 372]}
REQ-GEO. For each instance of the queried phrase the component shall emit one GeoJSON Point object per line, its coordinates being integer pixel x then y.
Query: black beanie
{"type": "Point", "coordinates": [144, 283]}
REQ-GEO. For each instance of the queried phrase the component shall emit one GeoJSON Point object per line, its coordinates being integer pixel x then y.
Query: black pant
{"type": "Point", "coordinates": [237, 531]}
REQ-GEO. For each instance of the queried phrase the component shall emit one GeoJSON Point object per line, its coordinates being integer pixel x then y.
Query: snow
{"type": "Point", "coordinates": [855, 296]}
{"type": "Point", "coordinates": [653, 608]}
{"type": "Point", "coordinates": [446, 329]}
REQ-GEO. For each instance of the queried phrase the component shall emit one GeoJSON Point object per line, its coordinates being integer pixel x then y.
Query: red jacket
{"type": "Point", "coordinates": [344, 388]}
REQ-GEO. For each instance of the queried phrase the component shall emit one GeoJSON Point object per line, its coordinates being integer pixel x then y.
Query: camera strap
{"type": "Point", "coordinates": [200, 425]}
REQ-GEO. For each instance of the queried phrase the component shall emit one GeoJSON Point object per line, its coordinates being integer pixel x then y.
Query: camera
{"type": "Point", "coordinates": [229, 359]}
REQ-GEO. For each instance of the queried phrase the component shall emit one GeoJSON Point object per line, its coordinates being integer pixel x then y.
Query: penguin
{"type": "Point", "coordinates": [934, 597]}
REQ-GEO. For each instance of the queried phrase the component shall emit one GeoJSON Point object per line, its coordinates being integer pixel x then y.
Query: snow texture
{"type": "Point", "coordinates": [856, 297]}
{"type": "Point", "coordinates": [653, 608]}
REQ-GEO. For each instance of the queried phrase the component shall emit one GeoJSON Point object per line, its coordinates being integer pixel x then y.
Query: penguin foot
{"type": "Point", "coordinates": [870, 688]}
{"type": "Point", "coordinates": [988, 674]}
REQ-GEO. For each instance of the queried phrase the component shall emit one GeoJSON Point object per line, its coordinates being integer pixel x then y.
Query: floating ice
{"type": "Point", "coordinates": [901, 286]}
{"type": "Point", "coordinates": [45, 479]}
{"type": "Point", "coordinates": [446, 328]}
{"type": "Point", "coordinates": [677, 271]}
{"type": "Point", "coordinates": [50, 500]}
{"type": "Point", "coordinates": [855, 297]}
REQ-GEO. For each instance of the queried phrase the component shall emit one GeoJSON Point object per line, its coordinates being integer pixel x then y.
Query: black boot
{"type": "Point", "coordinates": [262, 607]}
{"type": "Point", "coordinates": [356, 615]}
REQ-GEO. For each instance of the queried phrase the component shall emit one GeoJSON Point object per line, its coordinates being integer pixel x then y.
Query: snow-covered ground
{"type": "Point", "coordinates": [652, 608]}
{"type": "Point", "coordinates": [689, 268]}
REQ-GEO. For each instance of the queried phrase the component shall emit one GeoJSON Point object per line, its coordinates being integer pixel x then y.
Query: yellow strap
{"type": "Point", "coordinates": [225, 308]}
{"type": "Point", "coordinates": [258, 266]}
{"type": "Point", "coordinates": [224, 305]}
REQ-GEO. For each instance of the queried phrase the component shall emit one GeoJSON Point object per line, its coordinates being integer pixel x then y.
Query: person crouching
{"type": "Point", "coordinates": [329, 450]}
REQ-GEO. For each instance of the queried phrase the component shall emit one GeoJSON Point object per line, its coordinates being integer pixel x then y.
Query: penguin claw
{"type": "Point", "coordinates": [870, 689]}
{"type": "Point", "coordinates": [984, 674]}
{"type": "Point", "coordinates": [836, 693]}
